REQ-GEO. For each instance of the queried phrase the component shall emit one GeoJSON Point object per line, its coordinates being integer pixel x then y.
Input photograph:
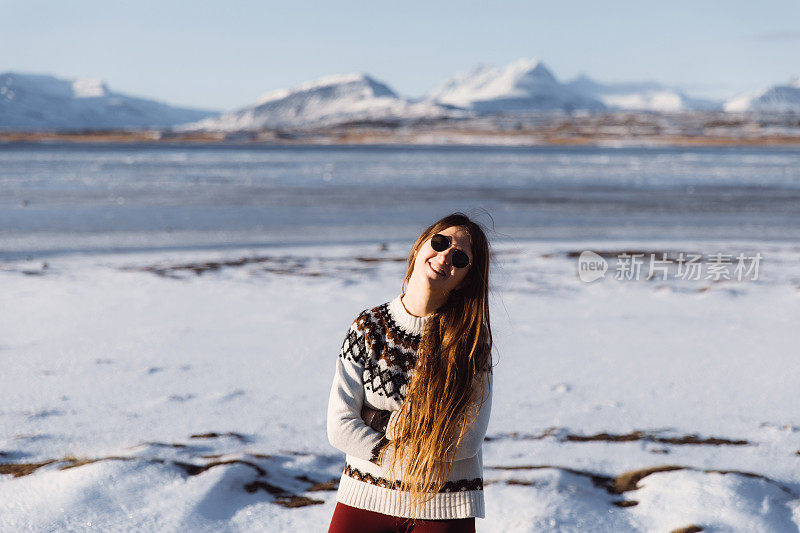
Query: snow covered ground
{"type": "Point", "coordinates": [186, 391]}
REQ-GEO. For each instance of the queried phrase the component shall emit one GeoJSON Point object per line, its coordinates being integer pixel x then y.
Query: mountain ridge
{"type": "Point", "coordinates": [46, 102]}
{"type": "Point", "coordinates": [42, 102]}
{"type": "Point", "coordinates": [328, 100]}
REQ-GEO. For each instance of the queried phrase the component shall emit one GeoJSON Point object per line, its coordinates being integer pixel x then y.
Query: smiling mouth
{"type": "Point", "coordinates": [436, 271]}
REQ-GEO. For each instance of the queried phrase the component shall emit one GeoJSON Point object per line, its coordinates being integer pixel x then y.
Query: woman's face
{"type": "Point", "coordinates": [435, 269]}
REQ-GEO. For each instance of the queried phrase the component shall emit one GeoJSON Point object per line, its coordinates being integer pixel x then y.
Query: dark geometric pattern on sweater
{"type": "Point", "coordinates": [397, 334]}
{"type": "Point", "coordinates": [376, 450]}
{"type": "Point", "coordinates": [353, 347]}
{"type": "Point", "coordinates": [460, 485]}
{"type": "Point", "coordinates": [390, 353]}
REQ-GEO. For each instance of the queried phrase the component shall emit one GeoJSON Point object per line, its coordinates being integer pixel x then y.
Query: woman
{"type": "Point", "coordinates": [411, 396]}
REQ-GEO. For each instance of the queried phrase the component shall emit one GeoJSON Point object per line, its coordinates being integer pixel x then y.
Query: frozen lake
{"type": "Point", "coordinates": [61, 197]}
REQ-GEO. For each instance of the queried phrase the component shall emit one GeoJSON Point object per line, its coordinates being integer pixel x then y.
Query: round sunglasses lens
{"type": "Point", "coordinates": [460, 259]}
{"type": "Point", "coordinates": [440, 243]}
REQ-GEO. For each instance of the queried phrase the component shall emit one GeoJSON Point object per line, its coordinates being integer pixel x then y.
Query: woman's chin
{"type": "Point", "coordinates": [431, 283]}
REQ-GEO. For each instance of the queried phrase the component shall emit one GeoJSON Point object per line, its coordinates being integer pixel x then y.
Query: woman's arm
{"type": "Point", "coordinates": [346, 430]}
{"type": "Point", "coordinates": [472, 441]}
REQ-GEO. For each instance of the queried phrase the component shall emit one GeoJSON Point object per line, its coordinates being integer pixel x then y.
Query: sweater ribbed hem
{"type": "Point", "coordinates": [410, 323]}
{"type": "Point", "coordinates": [443, 506]}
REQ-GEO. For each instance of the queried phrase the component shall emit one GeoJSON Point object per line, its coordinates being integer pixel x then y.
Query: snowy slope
{"type": "Point", "coordinates": [325, 101]}
{"type": "Point", "coordinates": [776, 99]}
{"type": "Point", "coordinates": [171, 392]}
{"type": "Point", "coordinates": [34, 102]}
{"type": "Point", "coordinates": [640, 96]}
{"type": "Point", "coordinates": [525, 85]}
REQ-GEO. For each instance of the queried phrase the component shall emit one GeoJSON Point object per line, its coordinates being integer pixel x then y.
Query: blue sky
{"type": "Point", "coordinates": [223, 55]}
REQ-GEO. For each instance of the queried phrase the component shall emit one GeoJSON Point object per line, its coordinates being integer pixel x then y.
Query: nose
{"type": "Point", "coordinates": [447, 256]}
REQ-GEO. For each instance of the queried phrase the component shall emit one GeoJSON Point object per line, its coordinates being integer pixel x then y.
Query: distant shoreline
{"type": "Point", "coordinates": [412, 137]}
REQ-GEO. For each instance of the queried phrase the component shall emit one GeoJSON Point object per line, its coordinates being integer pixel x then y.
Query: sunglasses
{"type": "Point", "coordinates": [440, 243]}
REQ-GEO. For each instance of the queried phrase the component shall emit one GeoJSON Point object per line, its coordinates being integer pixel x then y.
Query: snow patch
{"type": "Point", "coordinates": [774, 99]}
{"type": "Point", "coordinates": [89, 88]}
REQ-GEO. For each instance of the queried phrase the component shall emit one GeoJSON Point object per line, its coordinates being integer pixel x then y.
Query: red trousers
{"type": "Point", "coordinates": [348, 519]}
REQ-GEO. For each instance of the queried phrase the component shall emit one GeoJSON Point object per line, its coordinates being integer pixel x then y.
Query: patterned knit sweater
{"type": "Point", "coordinates": [374, 367]}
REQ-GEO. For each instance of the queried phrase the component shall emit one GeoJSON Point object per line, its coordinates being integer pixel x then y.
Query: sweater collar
{"type": "Point", "coordinates": [410, 323]}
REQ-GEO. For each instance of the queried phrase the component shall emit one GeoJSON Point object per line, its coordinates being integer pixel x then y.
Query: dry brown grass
{"type": "Point", "coordinates": [283, 497]}
{"type": "Point", "coordinates": [640, 435]}
{"type": "Point", "coordinates": [688, 529]}
{"type": "Point", "coordinates": [647, 436]}
{"type": "Point", "coordinates": [557, 135]}
{"type": "Point", "coordinates": [22, 469]}
{"type": "Point", "coordinates": [630, 480]}
{"type": "Point", "coordinates": [215, 435]}
{"type": "Point", "coordinates": [625, 503]}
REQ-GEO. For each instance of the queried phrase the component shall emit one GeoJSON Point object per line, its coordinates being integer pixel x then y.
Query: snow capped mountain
{"type": "Point", "coordinates": [525, 85]}
{"type": "Point", "coordinates": [343, 84]}
{"type": "Point", "coordinates": [528, 85]}
{"type": "Point", "coordinates": [642, 96]}
{"type": "Point", "coordinates": [775, 99]}
{"type": "Point", "coordinates": [325, 101]}
{"type": "Point", "coordinates": [37, 102]}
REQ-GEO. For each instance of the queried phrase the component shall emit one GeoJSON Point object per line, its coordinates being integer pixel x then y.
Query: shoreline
{"type": "Point", "coordinates": [373, 137]}
{"type": "Point", "coordinates": [16, 255]}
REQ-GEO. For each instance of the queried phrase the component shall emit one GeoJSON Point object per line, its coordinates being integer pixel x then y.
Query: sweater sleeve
{"type": "Point", "coordinates": [346, 430]}
{"type": "Point", "coordinates": [473, 439]}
